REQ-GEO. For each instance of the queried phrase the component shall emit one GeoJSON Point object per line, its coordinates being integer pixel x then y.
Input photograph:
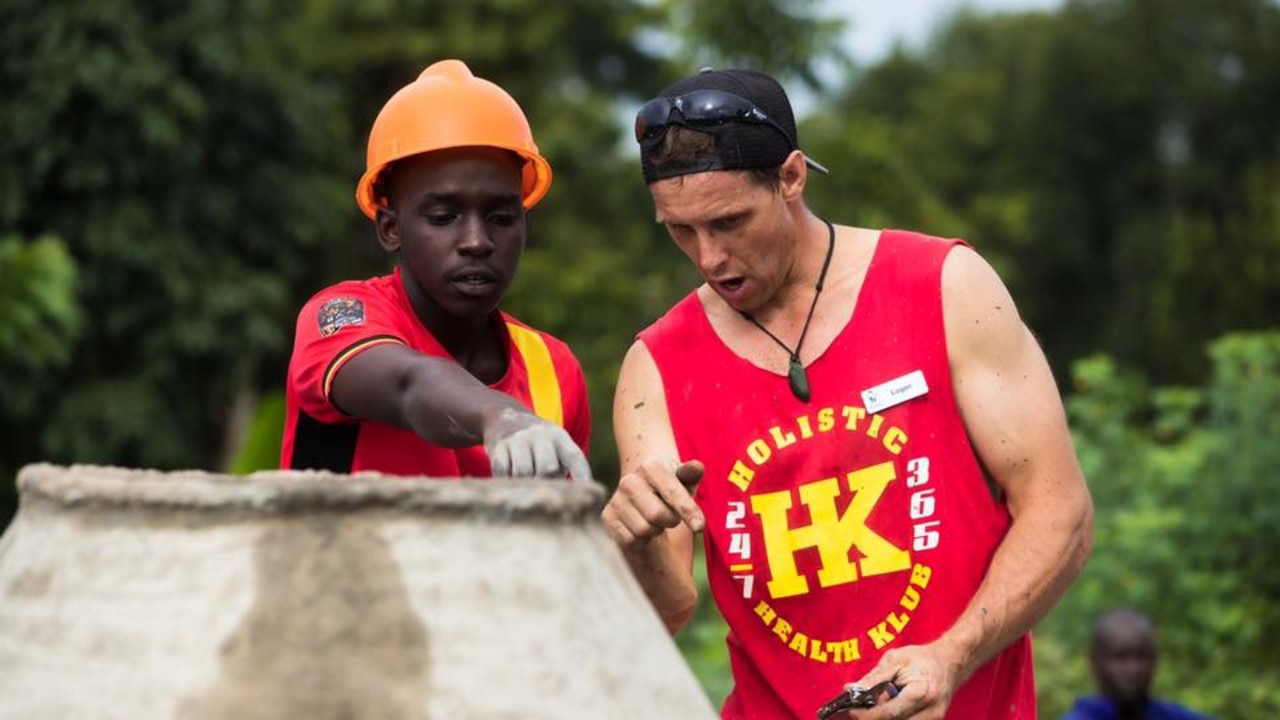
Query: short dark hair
{"type": "Point", "coordinates": [682, 145]}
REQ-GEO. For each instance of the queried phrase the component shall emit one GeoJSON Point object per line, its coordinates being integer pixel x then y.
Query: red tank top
{"type": "Point", "coordinates": [852, 524]}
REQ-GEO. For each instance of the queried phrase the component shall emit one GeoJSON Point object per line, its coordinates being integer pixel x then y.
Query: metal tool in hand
{"type": "Point", "coordinates": [855, 697]}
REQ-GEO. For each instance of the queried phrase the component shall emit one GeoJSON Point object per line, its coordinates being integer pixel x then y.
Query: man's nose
{"type": "Point", "coordinates": [711, 254]}
{"type": "Point", "coordinates": [475, 238]}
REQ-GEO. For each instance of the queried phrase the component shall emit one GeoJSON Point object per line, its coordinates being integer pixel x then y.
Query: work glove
{"type": "Point", "coordinates": [521, 444]}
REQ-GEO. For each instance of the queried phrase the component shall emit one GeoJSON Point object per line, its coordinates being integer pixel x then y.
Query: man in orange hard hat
{"type": "Point", "coordinates": [418, 372]}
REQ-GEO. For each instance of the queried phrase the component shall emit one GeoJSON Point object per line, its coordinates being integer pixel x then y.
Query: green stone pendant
{"type": "Point", "coordinates": [799, 380]}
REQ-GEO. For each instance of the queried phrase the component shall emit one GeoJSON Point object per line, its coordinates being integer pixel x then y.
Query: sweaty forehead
{"type": "Point", "coordinates": [703, 196]}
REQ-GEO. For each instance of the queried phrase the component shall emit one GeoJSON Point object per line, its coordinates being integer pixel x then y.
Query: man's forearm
{"type": "Point", "coordinates": [1032, 569]}
{"type": "Point", "coordinates": [665, 578]}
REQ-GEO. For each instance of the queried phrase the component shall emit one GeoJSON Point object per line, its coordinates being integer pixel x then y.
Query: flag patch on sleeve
{"type": "Point", "coordinates": [338, 313]}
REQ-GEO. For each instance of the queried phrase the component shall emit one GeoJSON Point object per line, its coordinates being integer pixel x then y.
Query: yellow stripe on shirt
{"type": "Point", "coordinates": [544, 385]}
{"type": "Point", "coordinates": [326, 382]}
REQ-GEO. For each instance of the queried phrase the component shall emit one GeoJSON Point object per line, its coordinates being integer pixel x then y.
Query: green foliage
{"type": "Point", "coordinates": [1186, 528]}
{"type": "Point", "coordinates": [260, 444]}
{"type": "Point", "coordinates": [1120, 153]}
{"type": "Point", "coordinates": [39, 322]}
{"type": "Point", "coordinates": [39, 317]}
{"type": "Point", "coordinates": [787, 37]}
{"type": "Point", "coordinates": [184, 158]}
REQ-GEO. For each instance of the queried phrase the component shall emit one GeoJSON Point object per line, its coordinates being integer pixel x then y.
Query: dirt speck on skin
{"type": "Point", "coordinates": [331, 634]}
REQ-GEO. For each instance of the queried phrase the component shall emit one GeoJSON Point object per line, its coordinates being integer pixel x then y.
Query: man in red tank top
{"type": "Point", "coordinates": [418, 372]}
{"type": "Point", "coordinates": [858, 423]}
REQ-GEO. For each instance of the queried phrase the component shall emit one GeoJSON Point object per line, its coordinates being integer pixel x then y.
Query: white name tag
{"type": "Point", "coordinates": [894, 392]}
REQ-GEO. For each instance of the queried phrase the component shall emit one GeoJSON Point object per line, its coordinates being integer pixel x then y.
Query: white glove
{"type": "Point", "coordinates": [521, 444]}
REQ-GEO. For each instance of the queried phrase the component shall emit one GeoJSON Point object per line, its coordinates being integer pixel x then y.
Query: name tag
{"type": "Point", "coordinates": [896, 391]}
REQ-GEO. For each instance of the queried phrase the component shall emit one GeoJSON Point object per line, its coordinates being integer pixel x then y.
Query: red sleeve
{"type": "Point", "coordinates": [334, 326]}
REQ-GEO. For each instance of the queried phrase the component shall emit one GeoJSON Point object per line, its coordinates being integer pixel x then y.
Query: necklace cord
{"type": "Point", "coordinates": [822, 276]}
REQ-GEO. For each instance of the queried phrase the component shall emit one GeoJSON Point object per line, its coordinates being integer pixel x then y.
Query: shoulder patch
{"type": "Point", "coordinates": [338, 313]}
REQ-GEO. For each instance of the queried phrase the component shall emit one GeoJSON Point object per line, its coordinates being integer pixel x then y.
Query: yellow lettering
{"type": "Point", "coordinates": [816, 652]}
{"type": "Point", "coordinates": [895, 439]}
{"type": "Point", "coordinates": [910, 599]}
{"type": "Point", "coordinates": [782, 629]}
{"type": "Point", "coordinates": [851, 649]}
{"type": "Point", "coordinates": [920, 575]}
{"type": "Point", "coordinates": [820, 497]}
{"type": "Point", "coordinates": [898, 621]}
{"type": "Point", "coordinates": [759, 452]}
{"type": "Point", "coordinates": [876, 422]}
{"type": "Point", "coordinates": [880, 635]}
{"type": "Point", "coordinates": [880, 555]}
{"type": "Point", "coordinates": [772, 509]}
{"type": "Point", "coordinates": [844, 650]}
{"type": "Point", "coordinates": [839, 651]}
{"type": "Point", "coordinates": [826, 419]}
{"type": "Point", "coordinates": [779, 440]}
{"type": "Point", "coordinates": [766, 613]}
{"type": "Point", "coordinates": [741, 475]}
{"type": "Point", "coordinates": [800, 643]}
{"type": "Point", "coordinates": [852, 415]}
{"type": "Point", "coordinates": [806, 432]}
{"type": "Point", "coordinates": [832, 534]}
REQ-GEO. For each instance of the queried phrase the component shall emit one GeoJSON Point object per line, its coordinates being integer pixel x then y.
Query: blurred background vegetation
{"type": "Point", "coordinates": [177, 178]}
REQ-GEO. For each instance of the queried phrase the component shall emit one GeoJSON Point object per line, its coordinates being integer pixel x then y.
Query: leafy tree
{"type": "Point", "coordinates": [788, 38]}
{"type": "Point", "coordinates": [39, 322]}
{"type": "Point", "coordinates": [39, 317]}
{"type": "Point", "coordinates": [1185, 528]}
{"type": "Point", "coordinates": [1119, 153]}
{"type": "Point", "coordinates": [184, 159]}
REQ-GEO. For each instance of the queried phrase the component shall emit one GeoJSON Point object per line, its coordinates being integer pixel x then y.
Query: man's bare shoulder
{"type": "Point", "coordinates": [979, 313]}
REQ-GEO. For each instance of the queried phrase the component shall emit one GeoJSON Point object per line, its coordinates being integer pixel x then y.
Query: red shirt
{"type": "Point", "coordinates": [843, 527]}
{"type": "Point", "coordinates": [345, 319]}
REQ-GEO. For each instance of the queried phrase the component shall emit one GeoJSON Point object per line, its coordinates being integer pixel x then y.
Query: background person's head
{"type": "Point", "coordinates": [1123, 656]}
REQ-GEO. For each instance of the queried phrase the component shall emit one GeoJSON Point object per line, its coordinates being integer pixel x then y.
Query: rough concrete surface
{"type": "Point", "coordinates": [139, 594]}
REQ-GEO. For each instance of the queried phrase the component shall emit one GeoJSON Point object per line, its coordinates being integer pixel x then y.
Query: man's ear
{"type": "Point", "coordinates": [792, 175]}
{"type": "Point", "coordinates": [387, 226]}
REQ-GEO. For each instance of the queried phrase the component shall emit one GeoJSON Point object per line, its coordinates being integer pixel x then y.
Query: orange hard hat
{"type": "Point", "coordinates": [448, 107]}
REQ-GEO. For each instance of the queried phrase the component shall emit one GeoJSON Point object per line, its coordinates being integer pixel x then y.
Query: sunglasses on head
{"type": "Point", "coordinates": [699, 108]}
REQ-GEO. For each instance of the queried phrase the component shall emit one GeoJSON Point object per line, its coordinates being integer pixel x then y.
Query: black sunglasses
{"type": "Point", "coordinates": [699, 108]}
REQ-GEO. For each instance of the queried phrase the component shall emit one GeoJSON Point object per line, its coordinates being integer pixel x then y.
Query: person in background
{"type": "Point", "coordinates": [1122, 655]}
{"type": "Point", "coordinates": [419, 372]}
{"type": "Point", "coordinates": [857, 421]}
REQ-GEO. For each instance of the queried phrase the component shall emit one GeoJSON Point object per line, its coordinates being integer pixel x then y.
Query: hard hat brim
{"type": "Point", "coordinates": [535, 181]}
